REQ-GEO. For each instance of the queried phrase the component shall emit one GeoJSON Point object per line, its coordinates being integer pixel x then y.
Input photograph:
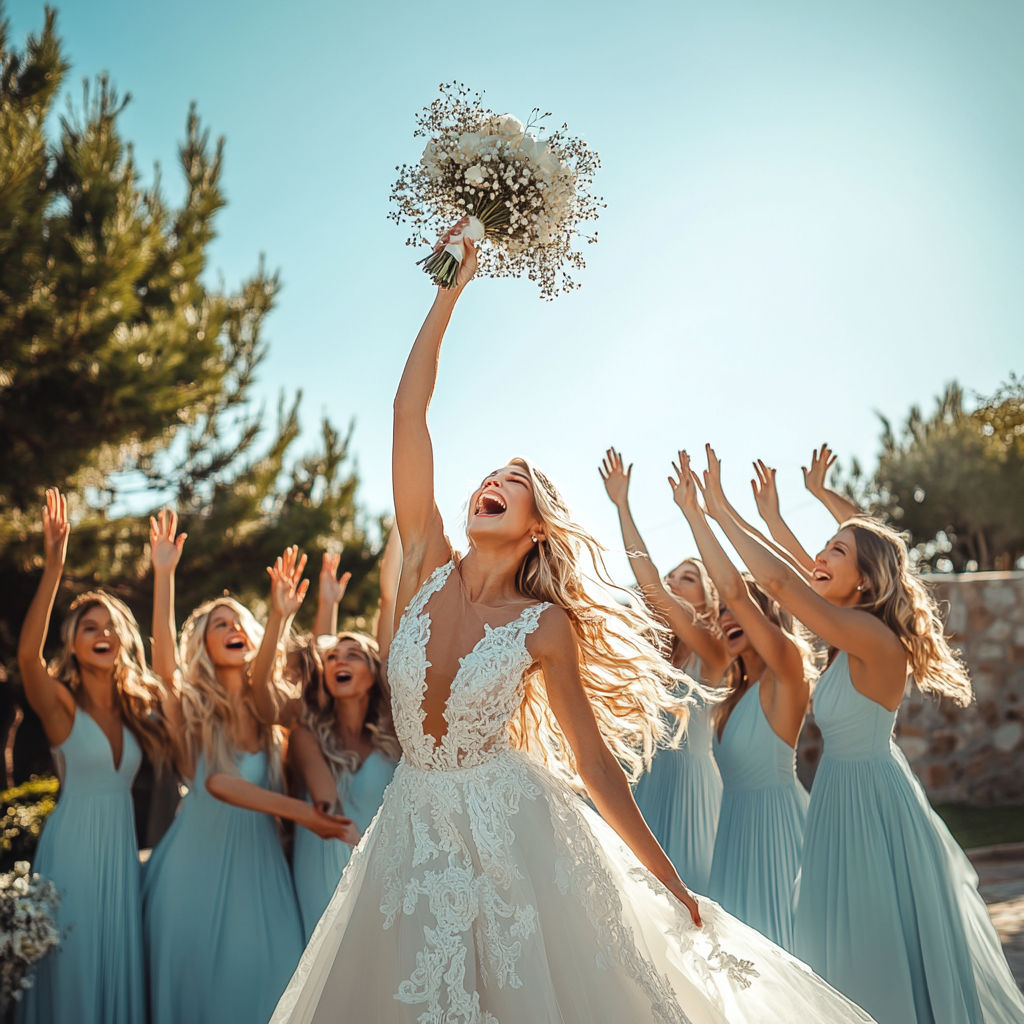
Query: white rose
{"type": "Point", "coordinates": [507, 124]}
{"type": "Point", "coordinates": [469, 145]}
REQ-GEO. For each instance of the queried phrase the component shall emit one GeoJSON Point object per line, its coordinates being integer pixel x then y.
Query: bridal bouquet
{"type": "Point", "coordinates": [28, 927]}
{"type": "Point", "coordinates": [500, 182]}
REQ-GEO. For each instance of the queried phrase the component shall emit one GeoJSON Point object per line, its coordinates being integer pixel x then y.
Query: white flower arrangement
{"type": "Point", "coordinates": [498, 181]}
{"type": "Point", "coordinates": [28, 928]}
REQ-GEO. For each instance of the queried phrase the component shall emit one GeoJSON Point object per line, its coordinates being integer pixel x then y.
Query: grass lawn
{"type": "Point", "coordinates": [983, 826]}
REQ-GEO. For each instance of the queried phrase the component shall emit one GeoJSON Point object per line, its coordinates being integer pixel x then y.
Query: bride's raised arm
{"type": "Point", "coordinates": [412, 463]}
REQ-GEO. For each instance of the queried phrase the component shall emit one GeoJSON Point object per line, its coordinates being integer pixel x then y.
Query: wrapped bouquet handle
{"type": "Point", "coordinates": [444, 262]}
{"type": "Point", "coordinates": [498, 182]}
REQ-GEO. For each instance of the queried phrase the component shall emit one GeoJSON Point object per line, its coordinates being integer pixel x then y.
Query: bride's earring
{"type": "Point", "coordinates": [534, 539]}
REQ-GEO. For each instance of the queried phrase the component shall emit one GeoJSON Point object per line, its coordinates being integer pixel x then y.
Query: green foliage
{"type": "Point", "coordinates": [126, 380]}
{"type": "Point", "coordinates": [25, 810]}
{"type": "Point", "coordinates": [954, 480]}
{"type": "Point", "coordinates": [974, 826]}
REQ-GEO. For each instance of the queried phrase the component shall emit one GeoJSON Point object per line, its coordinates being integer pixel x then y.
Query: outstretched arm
{"type": "Point", "coordinates": [239, 792]}
{"type": "Point", "coordinates": [554, 645]}
{"type": "Point", "coordinates": [287, 592]}
{"type": "Point", "coordinates": [165, 545]}
{"type": "Point", "coordinates": [412, 463]}
{"type": "Point", "coordinates": [822, 460]}
{"type": "Point", "coordinates": [681, 617]}
{"type": "Point", "coordinates": [780, 653]}
{"type": "Point", "coordinates": [331, 591]}
{"type": "Point", "coordinates": [390, 572]}
{"type": "Point", "coordinates": [767, 498]}
{"type": "Point", "coordinates": [863, 636]}
{"type": "Point", "coordinates": [49, 699]}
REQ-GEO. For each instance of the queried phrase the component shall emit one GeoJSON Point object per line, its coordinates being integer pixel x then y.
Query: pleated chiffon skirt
{"type": "Point", "coordinates": [220, 917]}
{"type": "Point", "coordinates": [88, 849]}
{"type": "Point", "coordinates": [889, 910]}
{"type": "Point", "coordinates": [680, 798]}
{"type": "Point", "coordinates": [761, 826]}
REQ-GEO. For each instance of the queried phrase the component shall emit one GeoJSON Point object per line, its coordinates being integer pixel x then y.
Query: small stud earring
{"type": "Point", "coordinates": [534, 539]}
{"type": "Point", "coordinates": [860, 586]}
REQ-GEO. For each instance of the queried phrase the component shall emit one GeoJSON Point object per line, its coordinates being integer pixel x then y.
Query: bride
{"type": "Point", "coordinates": [486, 891]}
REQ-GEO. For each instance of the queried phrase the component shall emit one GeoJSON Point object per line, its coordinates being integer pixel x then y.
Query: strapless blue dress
{"type": "Point", "coordinates": [317, 864]}
{"type": "Point", "coordinates": [888, 910]}
{"type": "Point", "coordinates": [220, 917]}
{"type": "Point", "coordinates": [761, 827]}
{"type": "Point", "coordinates": [680, 798]}
{"type": "Point", "coordinates": [89, 851]}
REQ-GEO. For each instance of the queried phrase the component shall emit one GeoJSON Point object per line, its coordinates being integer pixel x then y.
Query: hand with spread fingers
{"type": "Point", "coordinates": [287, 588]}
{"type": "Point", "coordinates": [615, 477]}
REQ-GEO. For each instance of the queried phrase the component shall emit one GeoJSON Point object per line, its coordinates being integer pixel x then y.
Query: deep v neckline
{"type": "Point", "coordinates": [449, 568]}
{"type": "Point", "coordinates": [117, 765]}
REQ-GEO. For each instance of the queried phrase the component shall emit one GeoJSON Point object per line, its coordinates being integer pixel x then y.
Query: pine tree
{"type": "Point", "coordinates": [121, 371]}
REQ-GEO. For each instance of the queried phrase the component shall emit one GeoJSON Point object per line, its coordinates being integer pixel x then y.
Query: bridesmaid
{"type": "Point", "coordinates": [681, 794]}
{"type": "Point", "coordinates": [889, 911]}
{"type": "Point", "coordinates": [342, 745]}
{"type": "Point", "coordinates": [100, 707]}
{"type": "Point", "coordinates": [220, 917]}
{"type": "Point", "coordinates": [760, 832]}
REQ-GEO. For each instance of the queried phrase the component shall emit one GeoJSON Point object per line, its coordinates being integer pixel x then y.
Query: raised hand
{"type": "Point", "coordinates": [714, 497]}
{"type": "Point", "coordinates": [332, 589]}
{"type": "Point", "coordinates": [684, 490]}
{"type": "Point", "coordinates": [287, 587]}
{"type": "Point", "coordinates": [164, 545]}
{"type": "Point", "coordinates": [822, 460]}
{"type": "Point", "coordinates": [616, 479]}
{"type": "Point", "coordinates": [765, 493]}
{"type": "Point", "coordinates": [467, 268]}
{"type": "Point", "coordinates": [56, 528]}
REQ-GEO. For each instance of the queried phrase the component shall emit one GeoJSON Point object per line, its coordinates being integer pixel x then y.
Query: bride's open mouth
{"type": "Point", "coordinates": [490, 503]}
{"type": "Point", "coordinates": [102, 647]}
{"type": "Point", "coordinates": [734, 634]}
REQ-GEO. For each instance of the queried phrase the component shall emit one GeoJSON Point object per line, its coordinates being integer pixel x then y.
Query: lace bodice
{"type": "Point", "coordinates": [485, 695]}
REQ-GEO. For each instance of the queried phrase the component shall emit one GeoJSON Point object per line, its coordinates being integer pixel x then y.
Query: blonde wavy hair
{"type": "Point", "coordinates": [897, 596]}
{"type": "Point", "coordinates": [139, 691]}
{"type": "Point", "coordinates": [628, 682]}
{"type": "Point", "coordinates": [736, 678]}
{"type": "Point", "coordinates": [212, 714]}
{"type": "Point", "coordinates": [318, 705]}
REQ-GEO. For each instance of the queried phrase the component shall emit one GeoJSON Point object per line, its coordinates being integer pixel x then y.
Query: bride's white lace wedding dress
{"type": "Point", "coordinates": [486, 892]}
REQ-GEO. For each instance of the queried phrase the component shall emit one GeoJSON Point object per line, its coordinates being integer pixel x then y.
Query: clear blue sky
{"type": "Point", "coordinates": [815, 211]}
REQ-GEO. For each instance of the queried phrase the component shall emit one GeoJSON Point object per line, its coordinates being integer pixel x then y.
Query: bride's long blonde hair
{"type": "Point", "coordinates": [901, 600]}
{"type": "Point", "coordinates": [628, 681]}
{"type": "Point", "coordinates": [210, 711]}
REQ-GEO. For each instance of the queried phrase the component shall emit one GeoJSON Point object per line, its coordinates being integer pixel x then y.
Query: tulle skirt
{"type": "Point", "coordinates": [889, 910]}
{"type": "Point", "coordinates": [493, 895]}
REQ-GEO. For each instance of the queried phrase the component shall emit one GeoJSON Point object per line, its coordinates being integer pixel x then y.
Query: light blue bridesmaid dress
{"type": "Point", "coordinates": [761, 826]}
{"type": "Point", "coordinates": [681, 795]}
{"type": "Point", "coordinates": [317, 863]}
{"type": "Point", "coordinates": [219, 913]}
{"type": "Point", "coordinates": [89, 851]}
{"type": "Point", "coordinates": [888, 910]}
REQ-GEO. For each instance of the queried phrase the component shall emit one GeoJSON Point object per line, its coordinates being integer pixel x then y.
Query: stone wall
{"type": "Point", "coordinates": [973, 754]}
